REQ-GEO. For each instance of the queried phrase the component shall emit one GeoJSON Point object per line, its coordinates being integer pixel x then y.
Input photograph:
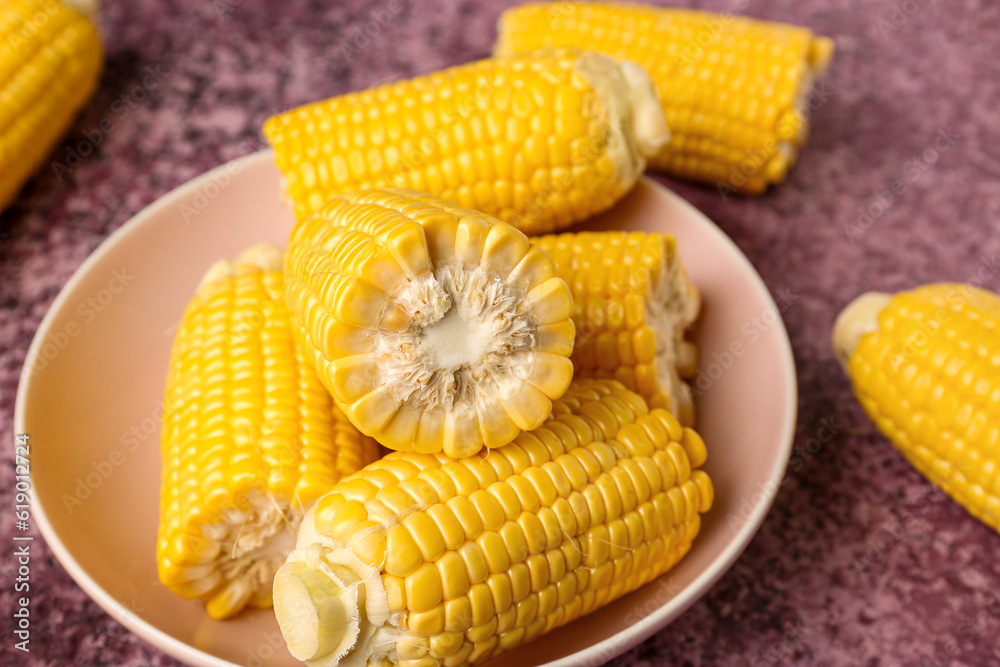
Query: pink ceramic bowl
{"type": "Point", "coordinates": [90, 399]}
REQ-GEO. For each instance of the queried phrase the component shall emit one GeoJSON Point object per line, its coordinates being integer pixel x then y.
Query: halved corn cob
{"type": "Point", "coordinates": [250, 439]}
{"type": "Point", "coordinates": [735, 90]}
{"type": "Point", "coordinates": [539, 140]}
{"type": "Point", "coordinates": [633, 307]}
{"type": "Point", "coordinates": [435, 328]}
{"type": "Point", "coordinates": [50, 60]}
{"type": "Point", "coordinates": [425, 560]}
{"type": "Point", "coordinates": [926, 369]}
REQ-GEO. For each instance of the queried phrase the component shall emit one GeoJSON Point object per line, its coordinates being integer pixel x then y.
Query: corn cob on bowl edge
{"type": "Point", "coordinates": [539, 140]}
{"type": "Point", "coordinates": [252, 478]}
{"type": "Point", "coordinates": [340, 601]}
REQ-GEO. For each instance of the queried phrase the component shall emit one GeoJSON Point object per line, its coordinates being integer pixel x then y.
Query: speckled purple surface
{"type": "Point", "coordinates": [858, 562]}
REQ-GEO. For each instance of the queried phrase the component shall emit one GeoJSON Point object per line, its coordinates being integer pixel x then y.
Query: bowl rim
{"type": "Point", "coordinates": [605, 649]}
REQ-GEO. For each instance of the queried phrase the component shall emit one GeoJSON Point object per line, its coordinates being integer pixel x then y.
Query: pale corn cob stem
{"type": "Point", "coordinates": [926, 369]}
{"type": "Point", "coordinates": [860, 317]}
{"type": "Point", "coordinates": [425, 560]}
{"type": "Point", "coordinates": [435, 328]}
{"type": "Point", "coordinates": [633, 308]}
{"type": "Point", "coordinates": [736, 91]}
{"type": "Point", "coordinates": [250, 438]}
{"type": "Point", "coordinates": [539, 140]}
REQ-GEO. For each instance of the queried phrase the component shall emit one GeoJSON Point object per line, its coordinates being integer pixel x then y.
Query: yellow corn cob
{"type": "Point", "coordinates": [50, 59]}
{"type": "Point", "coordinates": [926, 369]}
{"type": "Point", "coordinates": [424, 560]}
{"type": "Point", "coordinates": [735, 90]}
{"type": "Point", "coordinates": [435, 328]}
{"type": "Point", "coordinates": [539, 140]}
{"type": "Point", "coordinates": [632, 306]}
{"type": "Point", "coordinates": [250, 439]}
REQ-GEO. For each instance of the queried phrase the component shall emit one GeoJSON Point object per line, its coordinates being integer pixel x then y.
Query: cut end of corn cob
{"type": "Point", "coordinates": [926, 370]}
{"type": "Point", "coordinates": [633, 307]}
{"type": "Point", "coordinates": [860, 317]}
{"type": "Point", "coordinates": [435, 328]}
{"type": "Point", "coordinates": [447, 562]}
{"type": "Point", "coordinates": [50, 61]}
{"type": "Point", "coordinates": [735, 90]}
{"type": "Point", "coordinates": [250, 439]}
{"type": "Point", "coordinates": [540, 140]}
{"type": "Point", "coordinates": [635, 126]}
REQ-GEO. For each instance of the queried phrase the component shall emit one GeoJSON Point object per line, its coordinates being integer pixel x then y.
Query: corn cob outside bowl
{"type": "Point", "coordinates": [736, 91]}
{"type": "Point", "coordinates": [50, 60]}
{"type": "Point", "coordinates": [107, 542]}
{"type": "Point", "coordinates": [926, 368]}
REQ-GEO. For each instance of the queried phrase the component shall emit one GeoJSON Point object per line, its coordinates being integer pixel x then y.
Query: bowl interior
{"type": "Point", "coordinates": [91, 398]}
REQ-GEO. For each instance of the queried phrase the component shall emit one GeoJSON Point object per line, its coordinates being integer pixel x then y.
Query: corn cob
{"type": "Point", "coordinates": [250, 439]}
{"type": "Point", "coordinates": [424, 560]}
{"type": "Point", "coordinates": [435, 328]}
{"type": "Point", "coordinates": [735, 90]}
{"type": "Point", "coordinates": [538, 140]}
{"type": "Point", "coordinates": [50, 60]}
{"type": "Point", "coordinates": [632, 307]}
{"type": "Point", "coordinates": [926, 368]}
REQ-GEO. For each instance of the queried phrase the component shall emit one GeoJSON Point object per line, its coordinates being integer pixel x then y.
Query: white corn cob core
{"type": "Point", "coordinates": [331, 607]}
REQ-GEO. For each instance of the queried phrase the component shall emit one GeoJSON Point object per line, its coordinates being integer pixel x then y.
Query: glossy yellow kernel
{"type": "Point", "coordinates": [475, 562]}
{"type": "Point", "coordinates": [527, 609]}
{"type": "Point", "coordinates": [425, 534]}
{"type": "Point", "coordinates": [543, 486]}
{"type": "Point", "coordinates": [423, 588]}
{"type": "Point", "coordinates": [395, 589]}
{"type": "Point", "coordinates": [454, 575]}
{"type": "Point", "coordinates": [526, 494]}
{"type": "Point", "coordinates": [445, 644]}
{"type": "Point", "coordinates": [481, 651]}
{"type": "Point", "coordinates": [403, 556]}
{"type": "Point", "coordinates": [458, 615]}
{"type": "Point", "coordinates": [489, 509]}
{"type": "Point", "coordinates": [450, 529]}
{"type": "Point", "coordinates": [500, 588]}
{"type": "Point", "coordinates": [467, 516]}
{"type": "Point", "coordinates": [368, 542]}
{"type": "Point", "coordinates": [481, 599]}
{"type": "Point", "coordinates": [507, 498]}
{"type": "Point", "coordinates": [494, 551]}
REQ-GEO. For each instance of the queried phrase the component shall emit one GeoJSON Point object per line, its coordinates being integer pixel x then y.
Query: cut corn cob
{"type": "Point", "coordinates": [633, 306]}
{"type": "Point", "coordinates": [250, 439]}
{"type": "Point", "coordinates": [538, 140]}
{"type": "Point", "coordinates": [926, 369]}
{"type": "Point", "coordinates": [424, 560]}
{"type": "Point", "coordinates": [435, 328]}
{"type": "Point", "coordinates": [735, 90]}
{"type": "Point", "coordinates": [50, 59]}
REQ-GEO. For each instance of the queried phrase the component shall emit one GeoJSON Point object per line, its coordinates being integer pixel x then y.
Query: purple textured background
{"type": "Point", "coordinates": [858, 563]}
